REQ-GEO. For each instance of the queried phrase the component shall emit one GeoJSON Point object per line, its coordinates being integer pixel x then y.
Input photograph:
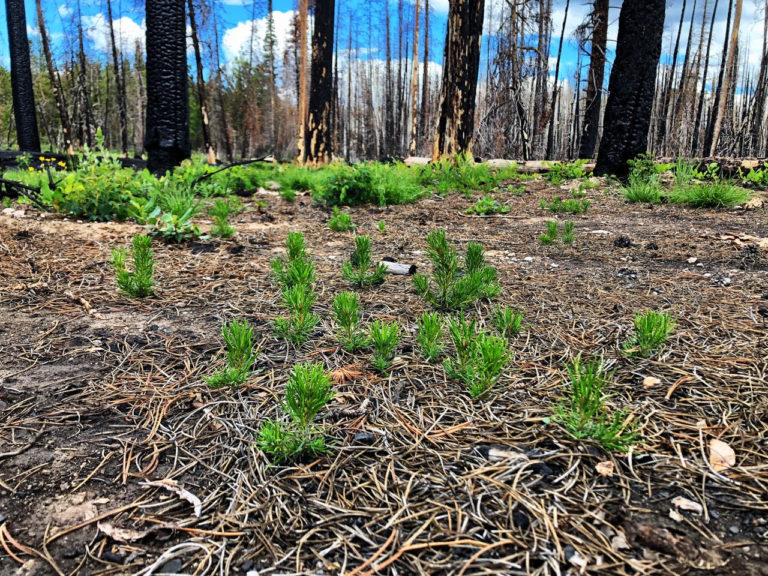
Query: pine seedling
{"type": "Point", "coordinates": [356, 270]}
{"type": "Point", "coordinates": [508, 321]}
{"type": "Point", "coordinates": [298, 270]}
{"type": "Point", "coordinates": [568, 236]}
{"type": "Point", "coordinates": [220, 211]}
{"type": "Point", "coordinates": [238, 337]}
{"type": "Point", "coordinates": [340, 221]}
{"type": "Point", "coordinates": [651, 331]}
{"type": "Point", "coordinates": [384, 336]}
{"type": "Point", "coordinates": [551, 234]}
{"type": "Point", "coordinates": [584, 413]}
{"type": "Point", "coordinates": [301, 320]}
{"type": "Point", "coordinates": [428, 335]}
{"type": "Point", "coordinates": [308, 391]}
{"type": "Point", "coordinates": [140, 282]}
{"type": "Point", "coordinates": [347, 312]}
{"type": "Point", "coordinates": [382, 226]}
{"type": "Point", "coordinates": [480, 358]}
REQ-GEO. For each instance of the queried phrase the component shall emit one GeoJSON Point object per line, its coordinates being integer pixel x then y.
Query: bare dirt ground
{"type": "Point", "coordinates": [101, 395]}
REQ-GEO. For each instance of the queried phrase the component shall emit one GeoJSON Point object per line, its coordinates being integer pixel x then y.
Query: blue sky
{"type": "Point", "coordinates": [235, 20]}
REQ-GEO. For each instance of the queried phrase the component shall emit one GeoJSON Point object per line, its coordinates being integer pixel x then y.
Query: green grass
{"type": "Point", "coordinates": [571, 205]}
{"type": "Point", "coordinates": [718, 194]}
{"type": "Point", "coordinates": [643, 190]}
{"type": "Point", "coordinates": [463, 175]}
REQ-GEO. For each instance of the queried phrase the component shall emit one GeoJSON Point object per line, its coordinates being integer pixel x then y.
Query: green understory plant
{"type": "Point", "coordinates": [308, 391]}
{"type": "Point", "coordinates": [220, 211]}
{"type": "Point", "coordinates": [550, 235]}
{"type": "Point", "coordinates": [646, 190]}
{"type": "Point", "coordinates": [298, 327]}
{"type": "Point", "coordinates": [140, 282]}
{"type": "Point", "coordinates": [298, 269]}
{"type": "Point", "coordinates": [584, 414]}
{"type": "Point", "coordinates": [456, 283]}
{"type": "Point", "coordinates": [718, 194]}
{"type": "Point", "coordinates": [382, 226]}
{"type": "Point", "coordinates": [340, 221]}
{"type": "Point", "coordinates": [346, 308]}
{"type": "Point", "coordinates": [487, 205]}
{"type": "Point", "coordinates": [384, 337]}
{"type": "Point", "coordinates": [571, 205]}
{"type": "Point", "coordinates": [568, 236]}
{"type": "Point", "coordinates": [480, 357]}
{"type": "Point", "coordinates": [560, 172]}
{"type": "Point", "coordinates": [238, 337]}
{"type": "Point", "coordinates": [508, 321]}
{"type": "Point", "coordinates": [360, 270]}
{"type": "Point", "coordinates": [430, 330]}
{"type": "Point", "coordinates": [651, 331]}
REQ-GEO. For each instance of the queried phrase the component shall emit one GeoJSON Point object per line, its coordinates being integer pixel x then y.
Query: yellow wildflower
{"type": "Point", "coordinates": [62, 164]}
{"type": "Point", "coordinates": [42, 158]}
{"type": "Point", "coordinates": [31, 169]}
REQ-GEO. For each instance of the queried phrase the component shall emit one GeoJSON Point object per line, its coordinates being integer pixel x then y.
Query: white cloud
{"type": "Point", "coordinates": [64, 11]}
{"type": "Point", "coordinates": [127, 33]}
{"type": "Point", "coordinates": [236, 40]}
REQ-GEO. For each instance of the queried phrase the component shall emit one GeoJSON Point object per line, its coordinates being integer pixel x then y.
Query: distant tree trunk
{"type": "Point", "coordinates": [270, 44]}
{"type": "Point", "coordinates": [720, 81]}
{"type": "Point", "coordinates": [167, 138]}
{"type": "Point", "coordinates": [757, 110]}
{"type": "Point", "coordinates": [669, 81]}
{"type": "Point", "coordinates": [541, 84]}
{"type": "Point", "coordinates": [139, 73]}
{"type": "Point", "coordinates": [219, 93]}
{"type": "Point", "coordinates": [424, 112]}
{"type": "Point", "coordinates": [82, 82]}
{"type": "Point", "coordinates": [319, 139]}
{"type": "Point", "coordinates": [556, 89]}
{"type": "Point", "coordinates": [53, 76]}
{"type": "Point", "coordinates": [677, 100]}
{"type": "Point", "coordinates": [461, 65]}
{"type": "Point", "coordinates": [596, 77]}
{"type": "Point", "coordinates": [700, 105]}
{"type": "Point", "coordinates": [389, 105]}
{"type": "Point", "coordinates": [725, 89]}
{"type": "Point", "coordinates": [22, 90]}
{"type": "Point", "coordinates": [414, 82]}
{"type": "Point", "coordinates": [119, 82]}
{"type": "Point", "coordinates": [302, 70]}
{"type": "Point", "coordinates": [631, 87]}
{"type": "Point", "coordinates": [210, 153]}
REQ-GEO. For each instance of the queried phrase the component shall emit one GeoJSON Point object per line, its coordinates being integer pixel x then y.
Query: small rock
{"type": "Point", "coordinates": [172, 566]}
{"type": "Point", "coordinates": [599, 232]}
{"type": "Point", "coordinates": [734, 529]}
{"type": "Point", "coordinates": [692, 260]}
{"type": "Point", "coordinates": [553, 265]}
{"type": "Point", "coordinates": [528, 259]}
{"type": "Point", "coordinates": [364, 438]}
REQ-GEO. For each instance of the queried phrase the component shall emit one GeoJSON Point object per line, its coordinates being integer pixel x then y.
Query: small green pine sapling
{"type": "Point", "coordinates": [382, 226]}
{"type": "Point", "coordinates": [220, 211]}
{"type": "Point", "coordinates": [140, 282]}
{"type": "Point", "coordinates": [308, 391]}
{"type": "Point", "coordinates": [584, 414]}
{"type": "Point", "coordinates": [568, 236]}
{"type": "Point", "coordinates": [429, 334]}
{"type": "Point", "coordinates": [457, 284]}
{"type": "Point", "coordinates": [508, 321]}
{"type": "Point", "coordinates": [340, 221]}
{"type": "Point", "coordinates": [480, 358]}
{"type": "Point", "coordinates": [238, 337]}
{"type": "Point", "coordinates": [301, 320]}
{"type": "Point", "coordinates": [651, 331]}
{"type": "Point", "coordinates": [357, 269]}
{"type": "Point", "coordinates": [298, 270]}
{"type": "Point", "coordinates": [551, 233]}
{"type": "Point", "coordinates": [384, 337]}
{"type": "Point", "coordinates": [347, 312]}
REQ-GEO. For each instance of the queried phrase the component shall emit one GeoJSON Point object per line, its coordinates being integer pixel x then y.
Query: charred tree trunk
{"type": "Point", "coordinates": [461, 64]}
{"type": "Point", "coordinates": [23, 93]}
{"type": "Point", "coordinates": [301, 64]}
{"type": "Point", "coordinates": [414, 82]}
{"type": "Point", "coordinates": [201, 96]}
{"type": "Point", "coordinates": [720, 81]}
{"type": "Point", "coordinates": [631, 87]}
{"type": "Point", "coordinates": [724, 91]}
{"type": "Point", "coordinates": [82, 85]}
{"type": "Point", "coordinates": [389, 105]}
{"type": "Point", "coordinates": [53, 75]}
{"type": "Point", "coordinates": [424, 112]}
{"type": "Point", "coordinates": [119, 83]}
{"type": "Point", "coordinates": [556, 89]}
{"type": "Point", "coordinates": [670, 80]}
{"type": "Point", "coordinates": [596, 77]}
{"type": "Point", "coordinates": [700, 105]}
{"type": "Point", "coordinates": [319, 142]}
{"type": "Point", "coordinates": [167, 139]}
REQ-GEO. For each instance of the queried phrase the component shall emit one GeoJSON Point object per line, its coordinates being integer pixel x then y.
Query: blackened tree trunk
{"type": "Point", "coordinates": [461, 63]}
{"type": "Point", "coordinates": [720, 81]}
{"type": "Point", "coordinates": [21, 77]}
{"type": "Point", "coordinates": [556, 89]}
{"type": "Point", "coordinates": [167, 139]}
{"type": "Point", "coordinates": [700, 105]}
{"type": "Point", "coordinates": [318, 144]}
{"type": "Point", "coordinates": [210, 153]}
{"type": "Point", "coordinates": [724, 89]}
{"type": "Point", "coordinates": [122, 106]}
{"type": "Point", "coordinates": [86, 117]}
{"type": "Point", "coordinates": [53, 76]}
{"type": "Point", "coordinates": [631, 87]}
{"type": "Point", "coordinates": [414, 82]}
{"type": "Point", "coordinates": [596, 77]}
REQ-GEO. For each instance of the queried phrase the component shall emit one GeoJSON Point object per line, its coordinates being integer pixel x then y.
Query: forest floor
{"type": "Point", "coordinates": [101, 395]}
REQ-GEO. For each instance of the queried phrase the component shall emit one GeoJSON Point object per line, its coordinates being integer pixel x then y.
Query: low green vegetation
{"type": "Point", "coordinates": [429, 334]}
{"type": "Point", "coordinates": [568, 235]}
{"type": "Point", "coordinates": [487, 205]}
{"type": "Point", "coordinates": [238, 338]}
{"type": "Point", "coordinates": [560, 172]}
{"type": "Point", "coordinates": [550, 235]}
{"type": "Point", "coordinates": [508, 321]}
{"type": "Point", "coordinates": [298, 269]}
{"type": "Point", "coordinates": [308, 391]}
{"type": "Point", "coordinates": [382, 226]}
{"type": "Point", "coordinates": [462, 174]}
{"type": "Point", "coordinates": [647, 191]}
{"type": "Point", "coordinates": [360, 269]}
{"type": "Point", "coordinates": [346, 310]}
{"type": "Point", "coordinates": [570, 205]}
{"type": "Point", "coordinates": [651, 331]}
{"type": "Point", "coordinates": [220, 211]}
{"type": "Point", "coordinates": [340, 221]}
{"type": "Point", "coordinates": [584, 414]}
{"type": "Point", "coordinates": [140, 282]}
{"type": "Point", "coordinates": [719, 194]}
{"type": "Point", "coordinates": [384, 336]}
{"type": "Point", "coordinates": [456, 282]}
{"type": "Point", "coordinates": [296, 276]}
{"type": "Point", "coordinates": [480, 358]}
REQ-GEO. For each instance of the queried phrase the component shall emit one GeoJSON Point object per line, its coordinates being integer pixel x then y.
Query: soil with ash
{"type": "Point", "coordinates": [102, 396]}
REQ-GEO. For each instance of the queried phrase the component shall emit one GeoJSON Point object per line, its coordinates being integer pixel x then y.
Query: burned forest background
{"type": "Point", "coordinates": [385, 84]}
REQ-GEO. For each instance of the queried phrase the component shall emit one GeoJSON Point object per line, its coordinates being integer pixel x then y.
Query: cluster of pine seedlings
{"type": "Point", "coordinates": [474, 352]}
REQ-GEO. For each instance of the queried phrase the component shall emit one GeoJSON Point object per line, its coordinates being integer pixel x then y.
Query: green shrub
{"type": "Point", "coordinates": [384, 336]}
{"type": "Point", "coordinates": [298, 269]}
{"type": "Point", "coordinates": [428, 335]}
{"type": "Point", "coordinates": [340, 221]}
{"type": "Point", "coordinates": [717, 194]}
{"type": "Point", "coordinates": [455, 284]}
{"type": "Point", "coordinates": [559, 172]}
{"type": "Point", "coordinates": [238, 337]}
{"type": "Point", "coordinates": [308, 391]}
{"type": "Point", "coordinates": [299, 300]}
{"type": "Point", "coordinates": [568, 236]}
{"type": "Point", "coordinates": [360, 270]}
{"type": "Point", "coordinates": [462, 174]}
{"type": "Point", "coordinates": [550, 235]}
{"type": "Point", "coordinates": [651, 331]}
{"type": "Point", "coordinates": [584, 414]}
{"type": "Point", "coordinates": [487, 205]}
{"type": "Point", "coordinates": [220, 211]}
{"type": "Point", "coordinates": [140, 282]}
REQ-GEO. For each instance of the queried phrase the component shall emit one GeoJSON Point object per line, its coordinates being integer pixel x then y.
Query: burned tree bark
{"type": "Point", "coordinates": [23, 94]}
{"type": "Point", "coordinates": [167, 138]}
{"type": "Point", "coordinates": [318, 137]}
{"type": "Point", "coordinates": [631, 87]}
{"type": "Point", "coordinates": [210, 153]}
{"type": "Point", "coordinates": [119, 83]}
{"type": "Point", "coordinates": [595, 80]}
{"type": "Point", "coordinates": [461, 63]}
